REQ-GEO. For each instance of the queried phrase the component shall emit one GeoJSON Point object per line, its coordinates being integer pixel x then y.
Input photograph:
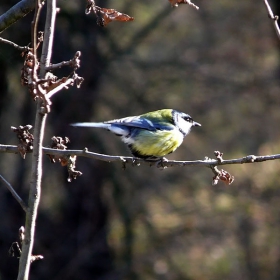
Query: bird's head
{"type": "Point", "coordinates": [183, 122]}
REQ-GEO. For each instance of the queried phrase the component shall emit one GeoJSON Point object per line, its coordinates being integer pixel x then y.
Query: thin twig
{"type": "Point", "coordinates": [59, 65]}
{"type": "Point", "coordinates": [131, 160]}
{"type": "Point", "coordinates": [169, 163]}
{"type": "Point", "coordinates": [23, 49]}
{"type": "Point", "coordinates": [175, 3]}
{"type": "Point", "coordinates": [34, 32]}
{"type": "Point", "coordinates": [68, 82]}
{"type": "Point", "coordinates": [273, 17]}
{"type": "Point", "coordinates": [14, 193]}
{"type": "Point", "coordinates": [74, 62]}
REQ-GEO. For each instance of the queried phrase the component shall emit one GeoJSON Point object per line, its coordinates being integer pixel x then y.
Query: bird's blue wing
{"type": "Point", "coordinates": [143, 123]}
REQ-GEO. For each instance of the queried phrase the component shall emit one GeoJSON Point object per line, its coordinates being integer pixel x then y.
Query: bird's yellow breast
{"type": "Point", "coordinates": [156, 144]}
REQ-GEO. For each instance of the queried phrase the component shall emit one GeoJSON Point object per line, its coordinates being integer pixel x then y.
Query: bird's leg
{"type": "Point", "coordinates": [160, 163]}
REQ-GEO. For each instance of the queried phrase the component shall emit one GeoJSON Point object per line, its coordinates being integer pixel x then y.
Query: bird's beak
{"type": "Point", "coordinates": [196, 124]}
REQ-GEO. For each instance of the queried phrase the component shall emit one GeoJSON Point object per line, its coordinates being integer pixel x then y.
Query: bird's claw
{"type": "Point", "coordinates": [160, 163]}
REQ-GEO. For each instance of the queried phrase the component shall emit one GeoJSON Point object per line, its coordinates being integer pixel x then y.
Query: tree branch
{"type": "Point", "coordinates": [273, 17]}
{"type": "Point", "coordinates": [48, 37]}
{"type": "Point", "coordinates": [14, 194]}
{"type": "Point", "coordinates": [17, 12]}
{"type": "Point", "coordinates": [74, 62]}
{"type": "Point", "coordinates": [23, 49]}
{"type": "Point", "coordinates": [207, 162]}
{"type": "Point", "coordinates": [63, 85]}
{"type": "Point", "coordinates": [39, 128]}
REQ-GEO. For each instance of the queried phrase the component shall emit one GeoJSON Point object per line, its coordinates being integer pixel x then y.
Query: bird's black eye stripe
{"type": "Point", "coordinates": [188, 119]}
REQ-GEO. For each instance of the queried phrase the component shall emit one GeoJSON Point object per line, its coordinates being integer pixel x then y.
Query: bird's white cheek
{"type": "Point", "coordinates": [184, 126]}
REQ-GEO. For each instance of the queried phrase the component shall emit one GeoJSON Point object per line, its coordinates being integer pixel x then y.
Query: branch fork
{"type": "Point", "coordinates": [15, 249]}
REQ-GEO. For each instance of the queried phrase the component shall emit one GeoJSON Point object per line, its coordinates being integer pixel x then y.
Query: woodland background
{"type": "Point", "coordinates": [219, 64]}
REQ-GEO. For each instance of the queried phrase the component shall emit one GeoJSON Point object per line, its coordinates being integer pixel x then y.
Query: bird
{"type": "Point", "coordinates": [151, 135]}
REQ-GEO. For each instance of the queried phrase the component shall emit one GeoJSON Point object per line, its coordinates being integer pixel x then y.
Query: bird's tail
{"type": "Point", "coordinates": [92, 124]}
{"type": "Point", "coordinates": [117, 129]}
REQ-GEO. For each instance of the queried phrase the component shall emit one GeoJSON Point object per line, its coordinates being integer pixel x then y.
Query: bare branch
{"type": "Point", "coordinates": [39, 128]}
{"type": "Point", "coordinates": [273, 17]}
{"type": "Point", "coordinates": [14, 193]}
{"type": "Point", "coordinates": [34, 30]}
{"type": "Point", "coordinates": [74, 62]}
{"type": "Point", "coordinates": [17, 12]}
{"type": "Point", "coordinates": [60, 87]}
{"type": "Point", "coordinates": [175, 3]}
{"type": "Point", "coordinates": [23, 49]}
{"type": "Point", "coordinates": [59, 65]}
{"type": "Point", "coordinates": [207, 162]}
{"type": "Point", "coordinates": [48, 37]}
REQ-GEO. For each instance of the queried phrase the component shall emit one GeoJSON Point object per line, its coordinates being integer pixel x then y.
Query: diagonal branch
{"type": "Point", "coordinates": [17, 12]}
{"type": "Point", "coordinates": [273, 17]}
{"type": "Point", "coordinates": [23, 49]}
{"type": "Point", "coordinates": [63, 85]}
{"type": "Point", "coordinates": [14, 193]}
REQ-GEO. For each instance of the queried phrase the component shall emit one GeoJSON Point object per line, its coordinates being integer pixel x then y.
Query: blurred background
{"type": "Point", "coordinates": [219, 64]}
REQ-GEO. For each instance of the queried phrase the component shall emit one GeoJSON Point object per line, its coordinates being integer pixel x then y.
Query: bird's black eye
{"type": "Point", "coordinates": [188, 119]}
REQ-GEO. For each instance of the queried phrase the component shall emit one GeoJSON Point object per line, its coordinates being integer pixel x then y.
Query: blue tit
{"type": "Point", "coordinates": [152, 135]}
